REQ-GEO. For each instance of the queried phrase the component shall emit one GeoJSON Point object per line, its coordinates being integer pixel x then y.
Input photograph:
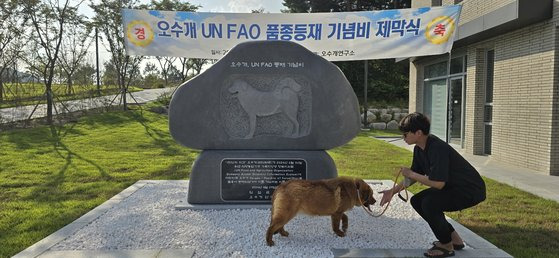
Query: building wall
{"type": "Point", "coordinates": [523, 96]}
{"type": "Point", "coordinates": [554, 153]}
{"type": "Point", "coordinates": [475, 92]}
{"type": "Point", "coordinates": [472, 9]}
{"type": "Point", "coordinates": [420, 3]}
{"type": "Point", "coordinates": [525, 93]}
{"type": "Point", "coordinates": [416, 92]}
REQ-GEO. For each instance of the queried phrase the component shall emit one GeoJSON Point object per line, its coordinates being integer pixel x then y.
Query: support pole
{"type": "Point", "coordinates": [448, 91]}
{"type": "Point", "coordinates": [365, 108]}
{"type": "Point", "coordinates": [97, 61]}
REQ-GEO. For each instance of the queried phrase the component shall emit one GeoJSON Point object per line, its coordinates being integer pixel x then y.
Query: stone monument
{"type": "Point", "coordinates": [265, 113]}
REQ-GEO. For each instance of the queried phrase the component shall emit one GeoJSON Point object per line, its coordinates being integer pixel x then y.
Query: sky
{"type": "Point", "coordinates": [239, 6]}
{"type": "Point", "coordinates": [226, 6]}
{"type": "Point", "coordinates": [219, 6]}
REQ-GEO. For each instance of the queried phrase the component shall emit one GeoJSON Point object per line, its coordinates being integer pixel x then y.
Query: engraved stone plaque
{"type": "Point", "coordinates": [263, 114]}
{"type": "Point", "coordinates": [266, 95]}
{"type": "Point", "coordinates": [255, 105]}
{"type": "Point", "coordinates": [256, 179]}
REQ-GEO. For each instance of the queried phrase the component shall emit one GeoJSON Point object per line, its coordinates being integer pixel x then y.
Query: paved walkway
{"type": "Point", "coordinates": [22, 113]}
{"type": "Point", "coordinates": [529, 180]}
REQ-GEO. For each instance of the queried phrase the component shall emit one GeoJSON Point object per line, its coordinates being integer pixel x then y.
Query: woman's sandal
{"type": "Point", "coordinates": [458, 247]}
{"type": "Point", "coordinates": [445, 253]}
{"type": "Point", "coordinates": [455, 246]}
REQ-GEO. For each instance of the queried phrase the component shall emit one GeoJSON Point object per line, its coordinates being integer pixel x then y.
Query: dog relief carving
{"type": "Point", "coordinates": [273, 107]}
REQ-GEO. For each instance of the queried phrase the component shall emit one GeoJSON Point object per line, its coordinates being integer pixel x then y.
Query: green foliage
{"type": "Point", "coordinates": [50, 176]}
{"type": "Point", "coordinates": [108, 20]}
{"type": "Point", "coordinates": [85, 75]}
{"type": "Point", "coordinates": [110, 76]}
{"type": "Point", "coordinates": [164, 99]}
{"type": "Point", "coordinates": [383, 133]}
{"type": "Point", "coordinates": [152, 81]}
{"type": "Point", "coordinates": [303, 6]}
{"type": "Point", "coordinates": [369, 158]}
{"type": "Point", "coordinates": [386, 80]}
{"type": "Point", "coordinates": [518, 222]}
{"type": "Point", "coordinates": [171, 5]}
{"type": "Point", "coordinates": [21, 94]}
{"type": "Point", "coordinates": [385, 103]}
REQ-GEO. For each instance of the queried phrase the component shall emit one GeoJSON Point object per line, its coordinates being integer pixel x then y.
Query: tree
{"type": "Point", "coordinates": [197, 64]}
{"type": "Point", "coordinates": [85, 74]}
{"type": "Point", "coordinates": [12, 23]}
{"type": "Point", "coordinates": [151, 77]}
{"type": "Point", "coordinates": [175, 75]}
{"type": "Point", "coordinates": [110, 74]}
{"type": "Point", "coordinates": [76, 42]}
{"type": "Point", "coordinates": [185, 68]}
{"type": "Point", "coordinates": [150, 69]}
{"type": "Point", "coordinates": [303, 6]}
{"type": "Point", "coordinates": [386, 79]}
{"type": "Point", "coordinates": [166, 64]}
{"type": "Point", "coordinates": [108, 19]}
{"type": "Point", "coordinates": [48, 21]}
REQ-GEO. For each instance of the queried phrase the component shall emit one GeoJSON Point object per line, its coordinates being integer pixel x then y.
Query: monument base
{"type": "Point", "coordinates": [251, 176]}
{"type": "Point", "coordinates": [188, 206]}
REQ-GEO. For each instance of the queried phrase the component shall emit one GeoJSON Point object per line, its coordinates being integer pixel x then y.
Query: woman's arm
{"type": "Point", "coordinates": [422, 179]}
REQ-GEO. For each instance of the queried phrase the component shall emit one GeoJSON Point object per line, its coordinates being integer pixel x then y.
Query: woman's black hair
{"type": "Point", "coordinates": [414, 122]}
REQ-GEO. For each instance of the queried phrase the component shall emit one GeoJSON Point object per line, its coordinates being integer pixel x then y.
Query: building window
{"type": "Point", "coordinates": [446, 119]}
{"type": "Point", "coordinates": [435, 70]}
{"type": "Point", "coordinates": [488, 106]}
{"type": "Point", "coordinates": [457, 66]}
{"type": "Point", "coordinates": [457, 1]}
{"type": "Point", "coordinates": [436, 2]}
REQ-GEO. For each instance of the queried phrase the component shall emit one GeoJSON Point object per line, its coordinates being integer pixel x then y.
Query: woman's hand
{"type": "Point", "coordinates": [406, 172]}
{"type": "Point", "coordinates": [386, 196]}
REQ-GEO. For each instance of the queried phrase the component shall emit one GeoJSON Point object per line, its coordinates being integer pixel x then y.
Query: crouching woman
{"type": "Point", "coordinates": [454, 183]}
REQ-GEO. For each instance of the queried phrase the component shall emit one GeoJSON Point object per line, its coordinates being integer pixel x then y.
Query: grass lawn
{"type": "Point", "coordinates": [31, 93]}
{"type": "Point", "coordinates": [50, 176]}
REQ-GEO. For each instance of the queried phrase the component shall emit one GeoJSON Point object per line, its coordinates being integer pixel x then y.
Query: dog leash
{"type": "Point", "coordinates": [388, 204]}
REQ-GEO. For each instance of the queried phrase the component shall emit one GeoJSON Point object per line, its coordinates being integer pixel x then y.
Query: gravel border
{"type": "Point", "coordinates": [147, 219]}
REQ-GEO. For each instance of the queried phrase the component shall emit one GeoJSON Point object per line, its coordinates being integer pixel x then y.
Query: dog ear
{"type": "Point", "coordinates": [360, 184]}
{"type": "Point", "coordinates": [349, 188]}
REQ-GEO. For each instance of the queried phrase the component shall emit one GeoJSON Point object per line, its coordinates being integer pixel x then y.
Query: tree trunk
{"type": "Point", "coordinates": [124, 90]}
{"type": "Point", "coordinates": [1, 85]}
{"type": "Point", "coordinates": [1, 89]}
{"type": "Point", "coordinates": [49, 103]}
{"type": "Point", "coordinates": [69, 90]}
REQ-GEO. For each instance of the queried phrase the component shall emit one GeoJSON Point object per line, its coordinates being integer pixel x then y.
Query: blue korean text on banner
{"type": "Point", "coordinates": [334, 36]}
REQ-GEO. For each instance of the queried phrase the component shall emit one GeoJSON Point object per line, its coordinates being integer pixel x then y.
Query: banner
{"type": "Point", "coordinates": [343, 36]}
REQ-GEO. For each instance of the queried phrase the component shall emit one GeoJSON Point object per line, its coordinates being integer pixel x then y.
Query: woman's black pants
{"type": "Point", "coordinates": [431, 205]}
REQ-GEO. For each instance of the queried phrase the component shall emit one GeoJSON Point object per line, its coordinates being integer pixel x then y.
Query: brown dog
{"type": "Point", "coordinates": [321, 197]}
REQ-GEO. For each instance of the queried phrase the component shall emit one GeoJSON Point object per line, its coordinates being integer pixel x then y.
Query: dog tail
{"type": "Point", "coordinates": [272, 208]}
